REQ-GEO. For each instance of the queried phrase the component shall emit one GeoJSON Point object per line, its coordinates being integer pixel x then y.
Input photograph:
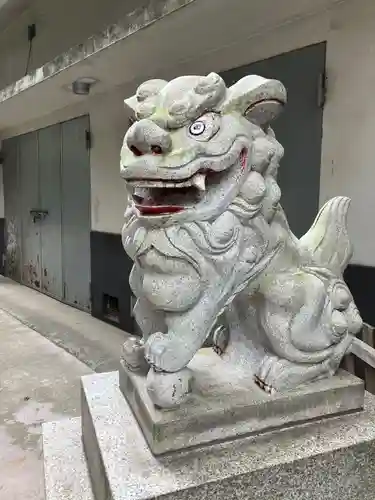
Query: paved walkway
{"type": "Point", "coordinates": [38, 382]}
{"type": "Point", "coordinates": [93, 342]}
{"type": "Point", "coordinates": [45, 347]}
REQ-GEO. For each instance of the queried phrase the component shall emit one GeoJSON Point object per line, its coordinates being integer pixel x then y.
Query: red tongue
{"type": "Point", "coordinates": [243, 158]}
{"type": "Point", "coordinates": [158, 209]}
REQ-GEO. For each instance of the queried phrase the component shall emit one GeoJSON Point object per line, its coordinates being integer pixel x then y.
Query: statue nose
{"type": "Point", "coordinates": [146, 137]}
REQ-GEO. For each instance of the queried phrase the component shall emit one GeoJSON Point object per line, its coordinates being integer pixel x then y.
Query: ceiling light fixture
{"type": "Point", "coordinates": [82, 86]}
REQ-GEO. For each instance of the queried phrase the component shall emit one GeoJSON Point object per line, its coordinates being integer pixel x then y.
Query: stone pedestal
{"type": "Point", "coordinates": [225, 403]}
{"type": "Point", "coordinates": [106, 456]}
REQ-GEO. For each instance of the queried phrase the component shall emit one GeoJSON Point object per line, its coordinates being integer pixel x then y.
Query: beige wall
{"type": "Point", "coordinates": [60, 25]}
{"type": "Point", "coordinates": [349, 117]}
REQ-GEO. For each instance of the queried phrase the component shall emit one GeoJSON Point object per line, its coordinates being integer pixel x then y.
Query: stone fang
{"type": "Point", "coordinates": [199, 181]}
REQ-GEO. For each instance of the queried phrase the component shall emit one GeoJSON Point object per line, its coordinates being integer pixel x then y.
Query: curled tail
{"type": "Point", "coordinates": [327, 242]}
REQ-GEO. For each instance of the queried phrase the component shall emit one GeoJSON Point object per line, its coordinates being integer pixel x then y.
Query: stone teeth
{"type": "Point", "coordinates": [199, 181]}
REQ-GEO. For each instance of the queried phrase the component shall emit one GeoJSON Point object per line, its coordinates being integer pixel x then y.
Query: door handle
{"type": "Point", "coordinates": [38, 215]}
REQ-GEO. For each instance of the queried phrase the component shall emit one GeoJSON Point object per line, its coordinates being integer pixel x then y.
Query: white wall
{"type": "Point", "coordinates": [349, 116]}
{"type": "Point", "coordinates": [348, 159]}
{"type": "Point", "coordinates": [109, 123]}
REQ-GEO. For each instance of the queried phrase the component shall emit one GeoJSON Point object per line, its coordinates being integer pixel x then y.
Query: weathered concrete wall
{"type": "Point", "coordinates": [60, 25]}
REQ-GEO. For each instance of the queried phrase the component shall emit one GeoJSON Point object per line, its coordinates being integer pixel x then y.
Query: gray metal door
{"type": "Point", "coordinates": [49, 150]}
{"type": "Point", "coordinates": [30, 204]}
{"type": "Point", "coordinates": [76, 216]}
{"type": "Point", "coordinates": [47, 211]}
{"type": "Point", "coordinates": [299, 128]}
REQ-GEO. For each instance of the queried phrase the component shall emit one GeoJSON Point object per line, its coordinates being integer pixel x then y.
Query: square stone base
{"type": "Point", "coordinates": [333, 458]}
{"type": "Point", "coordinates": [226, 403]}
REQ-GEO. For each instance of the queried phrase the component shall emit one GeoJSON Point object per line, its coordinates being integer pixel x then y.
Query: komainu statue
{"type": "Point", "coordinates": [215, 262]}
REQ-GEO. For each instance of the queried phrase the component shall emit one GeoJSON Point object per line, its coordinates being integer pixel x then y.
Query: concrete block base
{"type": "Point", "coordinates": [332, 458]}
{"type": "Point", "coordinates": [225, 403]}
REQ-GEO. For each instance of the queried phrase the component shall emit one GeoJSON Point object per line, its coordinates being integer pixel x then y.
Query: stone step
{"type": "Point", "coordinates": [65, 470]}
{"type": "Point", "coordinates": [334, 455]}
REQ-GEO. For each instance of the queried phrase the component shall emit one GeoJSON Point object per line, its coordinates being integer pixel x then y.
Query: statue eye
{"type": "Point", "coordinates": [197, 128]}
{"type": "Point", "coordinates": [205, 127]}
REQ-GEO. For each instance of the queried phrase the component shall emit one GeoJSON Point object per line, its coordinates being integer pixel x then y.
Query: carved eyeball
{"type": "Point", "coordinates": [205, 127]}
{"type": "Point", "coordinates": [197, 128]}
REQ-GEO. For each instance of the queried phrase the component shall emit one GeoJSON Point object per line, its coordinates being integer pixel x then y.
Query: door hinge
{"type": "Point", "coordinates": [88, 139]}
{"type": "Point", "coordinates": [322, 90]}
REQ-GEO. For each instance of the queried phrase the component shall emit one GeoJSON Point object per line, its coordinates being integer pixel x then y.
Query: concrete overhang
{"type": "Point", "coordinates": [149, 43]}
{"type": "Point", "coordinates": [10, 9]}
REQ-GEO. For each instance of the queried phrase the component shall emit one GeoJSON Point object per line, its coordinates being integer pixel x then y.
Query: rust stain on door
{"type": "Point", "coordinates": [12, 250]}
{"type": "Point", "coordinates": [30, 275]}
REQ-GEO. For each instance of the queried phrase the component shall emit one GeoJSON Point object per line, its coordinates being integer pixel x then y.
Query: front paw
{"type": "Point", "coordinates": [166, 353]}
{"type": "Point", "coordinates": [133, 355]}
{"type": "Point", "coordinates": [161, 354]}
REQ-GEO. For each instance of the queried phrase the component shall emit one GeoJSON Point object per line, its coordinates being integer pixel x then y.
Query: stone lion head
{"type": "Point", "coordinates": [195, 145]}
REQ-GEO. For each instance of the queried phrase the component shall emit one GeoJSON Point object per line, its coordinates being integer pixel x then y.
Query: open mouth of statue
{"type": "Point", "coordinates": [159, 197]}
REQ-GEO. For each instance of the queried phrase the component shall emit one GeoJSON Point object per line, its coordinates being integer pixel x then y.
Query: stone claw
{"type": "Point", "coordinates": [263, 385]}
{"type": "Point", "coordinates": [133, 354]}
{"type": "Point", "coordinates": [220, 339]}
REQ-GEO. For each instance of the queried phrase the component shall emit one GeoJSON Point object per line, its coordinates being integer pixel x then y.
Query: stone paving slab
{"type": "Point", "coordinates": [39, 382]}
{"type": "Point", "coordinates": [65, 469]}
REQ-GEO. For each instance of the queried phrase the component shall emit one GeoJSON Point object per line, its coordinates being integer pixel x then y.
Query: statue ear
{"type": "Point", "coordinates": [258, 99]}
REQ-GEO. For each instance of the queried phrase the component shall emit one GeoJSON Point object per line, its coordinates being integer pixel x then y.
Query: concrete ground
{"type": "Point", "coordinates": [38, 382]}
{"type": "Point", "coordinates": [45, 347]}
{"type": "Point", "coordinates": [93, 342]}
